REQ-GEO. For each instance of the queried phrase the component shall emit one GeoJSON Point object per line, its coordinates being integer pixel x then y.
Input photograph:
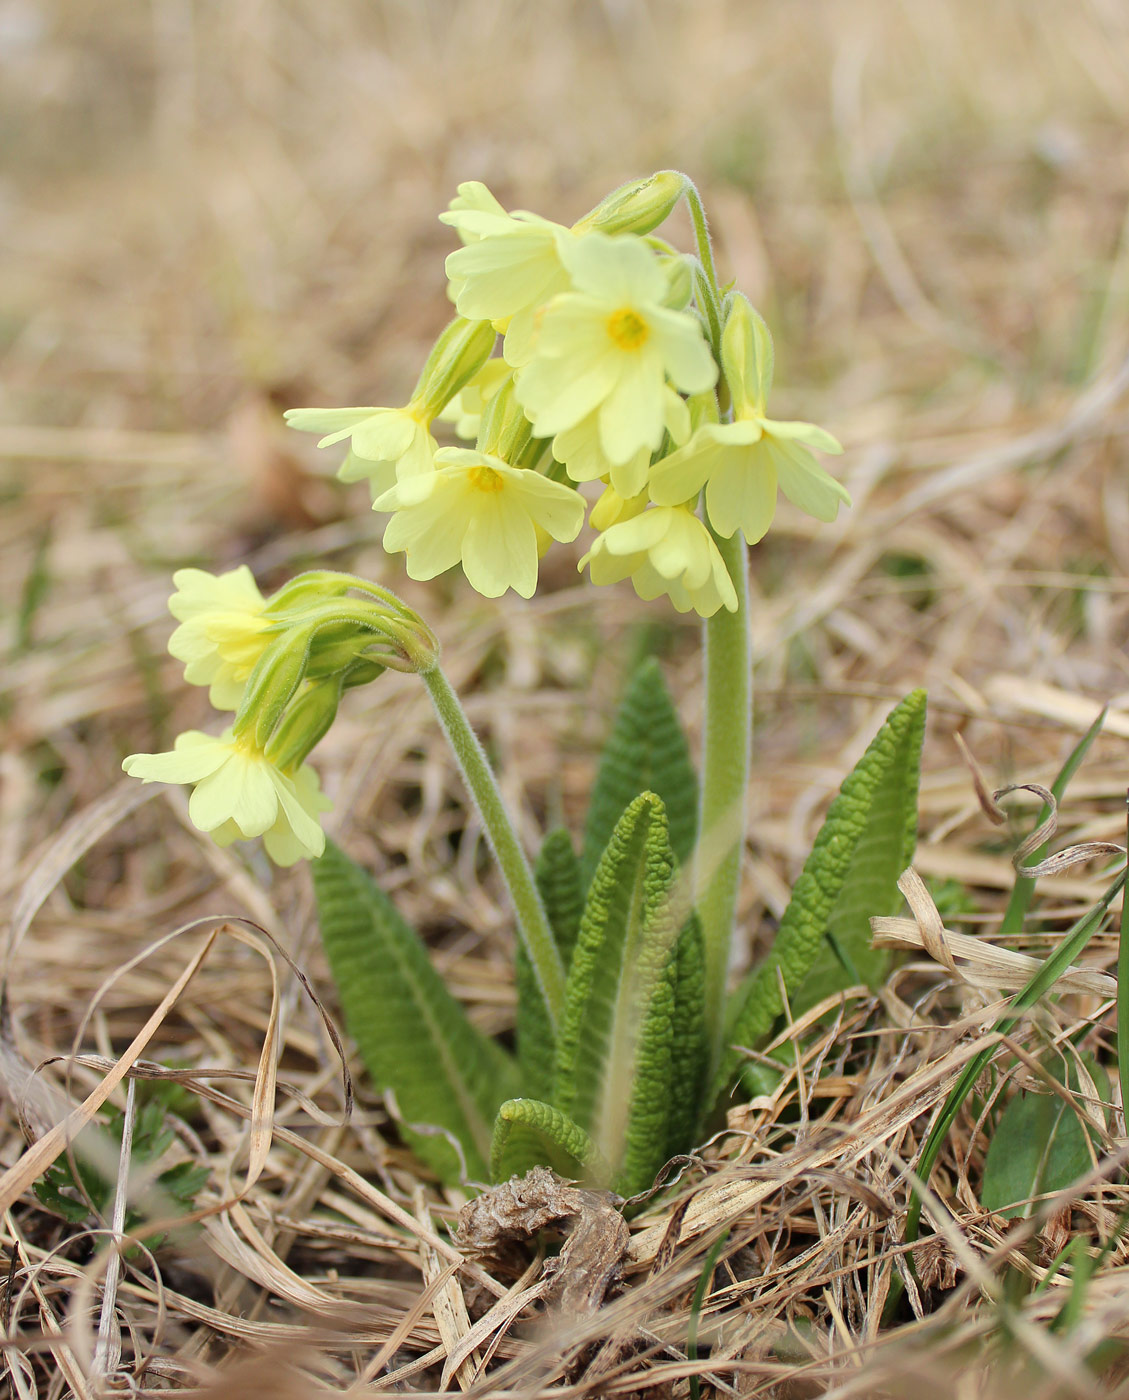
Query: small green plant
{"type": "Point", "coordinates": [73, 1186]}
{"type": "Point", "coordinates": [626, 365]}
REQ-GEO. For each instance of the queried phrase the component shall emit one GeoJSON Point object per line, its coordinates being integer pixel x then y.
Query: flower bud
{"type": "Point", "coordinates": [637, 207]}
{"type": "Point", "coordinates": [505, 431]}
{"type": "Point", "coordinates": [306, 591]}
{"type": "Point", "coordinates": [456, 357]}
{"type": "Point", "coordinates": [272, 685]}
{"type": "Point", "coordinates": [703, 409]}
{"type": "Point", "coordinates": [679, 281]}
{"type": "Point", "coordinates": [304, 725]}
{"type": "Point", "coordinates": [747, 358]}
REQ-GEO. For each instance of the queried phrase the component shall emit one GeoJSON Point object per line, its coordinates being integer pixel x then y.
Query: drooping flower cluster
{"type": "Point", "coordinates": [281, 664]}
{"type": "Point", "coordinates": [617, 356]}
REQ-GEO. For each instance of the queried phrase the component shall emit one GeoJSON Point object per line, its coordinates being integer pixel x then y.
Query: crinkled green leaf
{"type": "Point", "coordinates": [1041, 1143]}
{"type": "Point", "coordinates": [413, 1035]}
{"type": "Point", "coordinates": [615, 1044]}
{"type": "Point", "coordinates": [645, 752]}
{"type": "Point", "coordinates": [847, 868]}
{"type": "Point", "coordinates": [690, 1049]}
{"type": "Point", "coordinates": [883, 850]}
{"type": "Point", "coordinates": [529, 1133]}
{"type": "Point", "coordinates": [557, 873]}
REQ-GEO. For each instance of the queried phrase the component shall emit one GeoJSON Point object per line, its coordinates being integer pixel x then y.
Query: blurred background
{"type": "Point", "coordinates": [212, 210]}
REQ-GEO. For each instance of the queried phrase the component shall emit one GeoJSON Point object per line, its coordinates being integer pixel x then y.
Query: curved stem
{"type": "Point", "coordinates": [725, 779]}
{"type": "Point", "coordinates": [532, 925]}
{"type": "Point", "coordinates": [709, 292]}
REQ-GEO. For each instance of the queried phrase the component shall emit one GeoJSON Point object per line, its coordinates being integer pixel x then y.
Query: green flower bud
{"type": "Point", "coordinates": [272, 685]}
{"type": "Point", "coordinates": [505, 431]}
{"type": "Point", "coordinates": [456, 357]}
{"type": "Point", "coordinates": [307, 590]}
{"type": "Point", "coordinates": [747, 358]}
{"type": "Point", "coordinates": [637, 207]}
{"type": "Point", "coordinates": [680, 283]}
{"type": "Point", "coordinates": [703, 410]}
{"type": "Point", "coordinates": [304, 725]}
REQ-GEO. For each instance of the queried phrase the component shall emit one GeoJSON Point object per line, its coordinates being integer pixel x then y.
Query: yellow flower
{"type": "Point", "coordinates": [609, 346]}
{"type": "Point", "coordinates": [580, 450]}
{"type": "Point", "coordinates": [477, 509]}
{"type": "Point", "coordinates": [386, 444]}
{"type": "Point", "coordinates": [742, 463]}
{"type": "Point", "coordinates": [508, 267]}
{"type": "Point", "coordinates": [222, 631]}
{"type": "Point", "coordinates": [664, 549]}
{"type": "Point", "coordinates": [238, 793]}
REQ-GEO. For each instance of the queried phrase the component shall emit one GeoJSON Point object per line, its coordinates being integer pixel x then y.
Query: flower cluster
{"type": "Point", "coordinates": [281, 664]}
{"type": "Point", "coordinates": [617, 356]}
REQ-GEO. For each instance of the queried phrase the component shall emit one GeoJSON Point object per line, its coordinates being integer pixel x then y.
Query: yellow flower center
{"type": "Point", "coordinates": [487, 479]}
{"type": "Point", "coordinates": [627, 330]}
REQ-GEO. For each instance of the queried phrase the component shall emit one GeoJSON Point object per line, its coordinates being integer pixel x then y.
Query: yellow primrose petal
{"type": "Point", "coordinates": [222, 631]}
{"type": "Point", "coordinates": [240, 791]}
{"type": "Point", "coordinates": [802, 479]}
{"type": "Point", "coordinates": [194, 756]}
{"type": "Point", "coordinates": [612, 507]}
{"type": "Point", "coordinates": [610, 345]}
{"type": "Point", "coordinates": [506, 269]}
{"type": "Point", "coordinates": [665, 550]}
{"type": "Point", "coordinates": [296, 833]}
{"type": "Point", "coordinates": [480, 510]}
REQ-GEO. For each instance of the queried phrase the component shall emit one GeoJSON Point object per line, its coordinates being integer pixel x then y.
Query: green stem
{"type": "Point", "coordinates": [532, 925]}
{"type": "Point", "coordinates": [712, 293]}
{"type": "Point", "coordinates": [725, 779]}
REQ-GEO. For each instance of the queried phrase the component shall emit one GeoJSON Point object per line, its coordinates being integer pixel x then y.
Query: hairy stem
{"type": "Point", "coordinates": [725, 780]}
{"type": "Point", "coordinates": [532, 925]}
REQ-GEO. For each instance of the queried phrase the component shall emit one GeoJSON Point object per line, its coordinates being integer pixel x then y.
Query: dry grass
{"type": "Point", "coordinates": [215, 211]}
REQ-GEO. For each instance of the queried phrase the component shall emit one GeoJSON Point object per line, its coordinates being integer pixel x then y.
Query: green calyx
{"type": "Point", "coordinates": [456, 357]}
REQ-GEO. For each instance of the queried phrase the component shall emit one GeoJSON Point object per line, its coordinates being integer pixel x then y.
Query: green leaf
{"type": "Point", "coordinates": [557, 873]}
{"type": "Point", "coordinates": [690, 1050]}
{"type": "Point", "coordinates": [883, 850]}
{"type": "Point", "coordinates": [865, 842]}
{"type": "Point", "coordinates": [615, 1047]}
{"type": "Point", "coordinates": [413, 1035]}
{"type": "Point", "coordinates": [1023, 890]}
{"type": "Point", "coordinates": [529, 1133]}
{"type": "Point", "coordinates": [645, 752]}
{"type": "Point", "coordinates": [1041, 1143]}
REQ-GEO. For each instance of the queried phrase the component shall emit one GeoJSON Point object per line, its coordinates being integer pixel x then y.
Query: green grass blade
{"type": "Point", "coordinates": [1068, 951]}
{"type": "Point", "coordinates": [1024, 888]}
{"type": "Point", "coordinates": [851, 873]}
{"type": "Point", "coordinates": [529, 1133]}
{"type": "Point", "coordinates": [645, 752]}
{"type": "Point", "coordinates": [413, 1035]}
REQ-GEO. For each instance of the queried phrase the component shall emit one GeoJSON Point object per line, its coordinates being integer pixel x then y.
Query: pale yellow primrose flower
{"type": "Point", "coordinates": [222, 630]}
{"type": "Point", "coordinates": [609, 347]}
{"type": "Point", "coordinates": [465, 409]}
{"type": "Point", "coordinates": [664, 549]}
{"type": "Point", "coordinates": [742, 463]}
{"type": "Point", "coordinates": [238, 793]}
{"type": "Point", "coordinates": [479, 510]}
{"type": "Point", "coordinates": [508, 267]}
{"type": "Point", "coordinates": [386, 443]}
{"type": "Point", "coordinates": [580, 451]}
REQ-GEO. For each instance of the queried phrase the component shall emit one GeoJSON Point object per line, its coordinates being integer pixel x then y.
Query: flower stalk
{"type": "Point", "coordinates": [728, 748]}
{"type": "Point", "coordinates": [532, 925]}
